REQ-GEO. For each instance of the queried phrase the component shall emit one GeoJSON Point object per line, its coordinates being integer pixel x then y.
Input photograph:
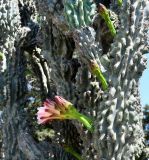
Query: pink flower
{"type": "Point", "coordinates": [60, 109]}
{"type": "Point", "coordinates": [62, 103]}
{"type": "Point", "coordinates": [93, 66]}
{"type": "Point", "coordinates": [48, 112]}
{"type": "Point", "coordinates": [53, 110]}
{"type": "Point", "coordinates": [102, 9]}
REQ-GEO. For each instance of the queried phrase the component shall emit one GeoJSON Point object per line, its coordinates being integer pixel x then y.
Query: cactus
{"type": "Point", "coordinates": [79, 13]}
{"type": "Point", "coordinates": [59, 58]}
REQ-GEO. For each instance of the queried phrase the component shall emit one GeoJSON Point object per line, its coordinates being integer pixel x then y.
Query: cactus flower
{"type": "Point", "coordinates": [103, 11]}
{"type": "Point", "coordinates": [120, 2]}
{"type": "Point", "coordinates": [95, 70]}
{"type": "Point", "coordinates": [60, 109]}
{"type": "Point", "coordinates": [48, 112]}
{"type": "Point", "coordinates": [61, 103]}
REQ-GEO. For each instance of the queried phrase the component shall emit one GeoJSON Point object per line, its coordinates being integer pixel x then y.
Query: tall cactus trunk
{"type": "Point", "coordinates": [47, 48]}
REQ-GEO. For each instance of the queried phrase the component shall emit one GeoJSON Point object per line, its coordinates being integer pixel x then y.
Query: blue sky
{"type": "Point", "coordinates": [144, 85]}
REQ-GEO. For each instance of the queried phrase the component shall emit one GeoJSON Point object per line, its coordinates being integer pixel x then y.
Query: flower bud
{"type": "Point", "coordinates": [62, 103]}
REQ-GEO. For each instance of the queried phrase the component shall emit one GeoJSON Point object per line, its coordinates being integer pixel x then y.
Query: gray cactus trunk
{"type": "Point", "coordinates": [44, 58]}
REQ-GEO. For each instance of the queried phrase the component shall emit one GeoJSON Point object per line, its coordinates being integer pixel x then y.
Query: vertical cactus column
{"type": "Point", "coordinates": [79, 13]}
{"type": "Point", "coordinates": [119, 120]}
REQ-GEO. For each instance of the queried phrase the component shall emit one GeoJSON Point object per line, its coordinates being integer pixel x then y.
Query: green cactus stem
{"type": "Point", "coordinates": [79, 13]}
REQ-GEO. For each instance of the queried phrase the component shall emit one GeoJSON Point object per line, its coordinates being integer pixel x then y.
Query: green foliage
{"type": "Point", "coordinates": [78, 13]}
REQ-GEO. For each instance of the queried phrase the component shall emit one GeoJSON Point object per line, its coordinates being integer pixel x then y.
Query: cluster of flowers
{"type": "Point", "coordinates": [61, 109]}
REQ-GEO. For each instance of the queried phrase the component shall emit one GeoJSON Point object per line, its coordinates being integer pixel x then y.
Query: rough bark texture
{"type": "Point", "coordinates": [35, 37]}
